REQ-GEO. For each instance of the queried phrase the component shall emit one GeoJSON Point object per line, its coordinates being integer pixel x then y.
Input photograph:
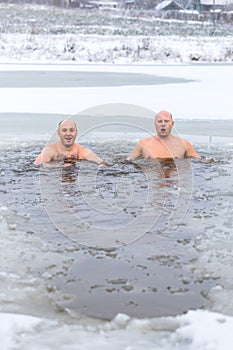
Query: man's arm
{"type": "Point", "coordinates": [137, 152]}
{"type": "Point", "coordinates": [92, 157]}
{"type": "Point", "coordinates": [45, 157]}
{"type": "Point", "coordinates": [190, 151]}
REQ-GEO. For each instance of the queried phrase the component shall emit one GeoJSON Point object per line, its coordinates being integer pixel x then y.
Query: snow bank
{"type": "Point", "coordinates": [114, 49]}
{"type": "Point", "coordinates": [197, 330]}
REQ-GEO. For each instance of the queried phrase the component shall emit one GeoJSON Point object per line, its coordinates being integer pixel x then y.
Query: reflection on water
{"type": "Point", "coordinates": [146, 238]}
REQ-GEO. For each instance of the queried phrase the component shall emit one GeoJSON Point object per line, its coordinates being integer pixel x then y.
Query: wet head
{"type": "Point", "coordinates": [67, 132]}
{"type": "Point", "coordinates": [163, 123]}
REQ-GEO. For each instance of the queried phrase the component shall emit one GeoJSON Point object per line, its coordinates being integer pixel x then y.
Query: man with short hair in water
{"type": "Point", "coordinates": [66, 150]}
{"type": "Point", "coordinates": [164, 144]}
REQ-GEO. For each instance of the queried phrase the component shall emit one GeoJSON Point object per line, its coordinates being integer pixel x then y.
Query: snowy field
{"type": "Point", "coordinates": [208, 96]}
{"type": "Point", "coordinates": [115, 49]}
{"type": "Point", "coordinates": [30, 33]}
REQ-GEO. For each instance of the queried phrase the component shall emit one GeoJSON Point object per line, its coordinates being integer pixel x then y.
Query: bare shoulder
{"type": "Point", "coordinates": [50, 150]}
{"type": "Point", "coordinates": [190, 150]}
{"type": "Point", "coordinates": [178, 139]}
{"type": "Point", "coordinates": [147, 140]}
{"type": "Point", "coordinates": [52, 145]}
{"type": "Point", "coordinates": [186, 142]}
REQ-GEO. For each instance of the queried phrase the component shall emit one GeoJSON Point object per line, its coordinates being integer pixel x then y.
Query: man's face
{"type": "Point", "coordinates": [163, 125]}
{"type": "Point", "coordinates": [67, 132]}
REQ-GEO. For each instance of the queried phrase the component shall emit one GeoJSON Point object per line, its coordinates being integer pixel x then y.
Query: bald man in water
{"type": "Point", "coordinates": [164, 145]}
{"type": "Point", "coordinates": [66, 150]}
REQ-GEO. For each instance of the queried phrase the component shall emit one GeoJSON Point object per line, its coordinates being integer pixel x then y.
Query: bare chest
{"type": "Point", "coordinates": [157, 148]}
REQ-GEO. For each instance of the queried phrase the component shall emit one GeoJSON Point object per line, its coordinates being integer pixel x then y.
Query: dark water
{"type": "Point", "coordinates": [127, 237]}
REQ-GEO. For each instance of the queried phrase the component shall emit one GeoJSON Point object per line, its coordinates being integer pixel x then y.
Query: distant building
{"type": "Point", "coordinates": [209, 5]}
{"type": "Point", "coordinates": [129, 4]}
{"type": "Point", "coordinates": [168, 5]}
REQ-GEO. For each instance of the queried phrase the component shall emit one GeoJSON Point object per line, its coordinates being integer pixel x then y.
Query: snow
{"type": "Point", "coordinates": [207, 92]}
{"type": "Point", "coordinates": [206, 60]}
{"type": "Point", "coordinates": [196, 330]}
{"type": "Point", "coordinates": [206, 330]}
{"type": "Point", "coordinates": [114, 49]}
{"type": "Point", "coordinates": [206, 99]}
{"type": "Point", "coordinates": [208, 96]}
